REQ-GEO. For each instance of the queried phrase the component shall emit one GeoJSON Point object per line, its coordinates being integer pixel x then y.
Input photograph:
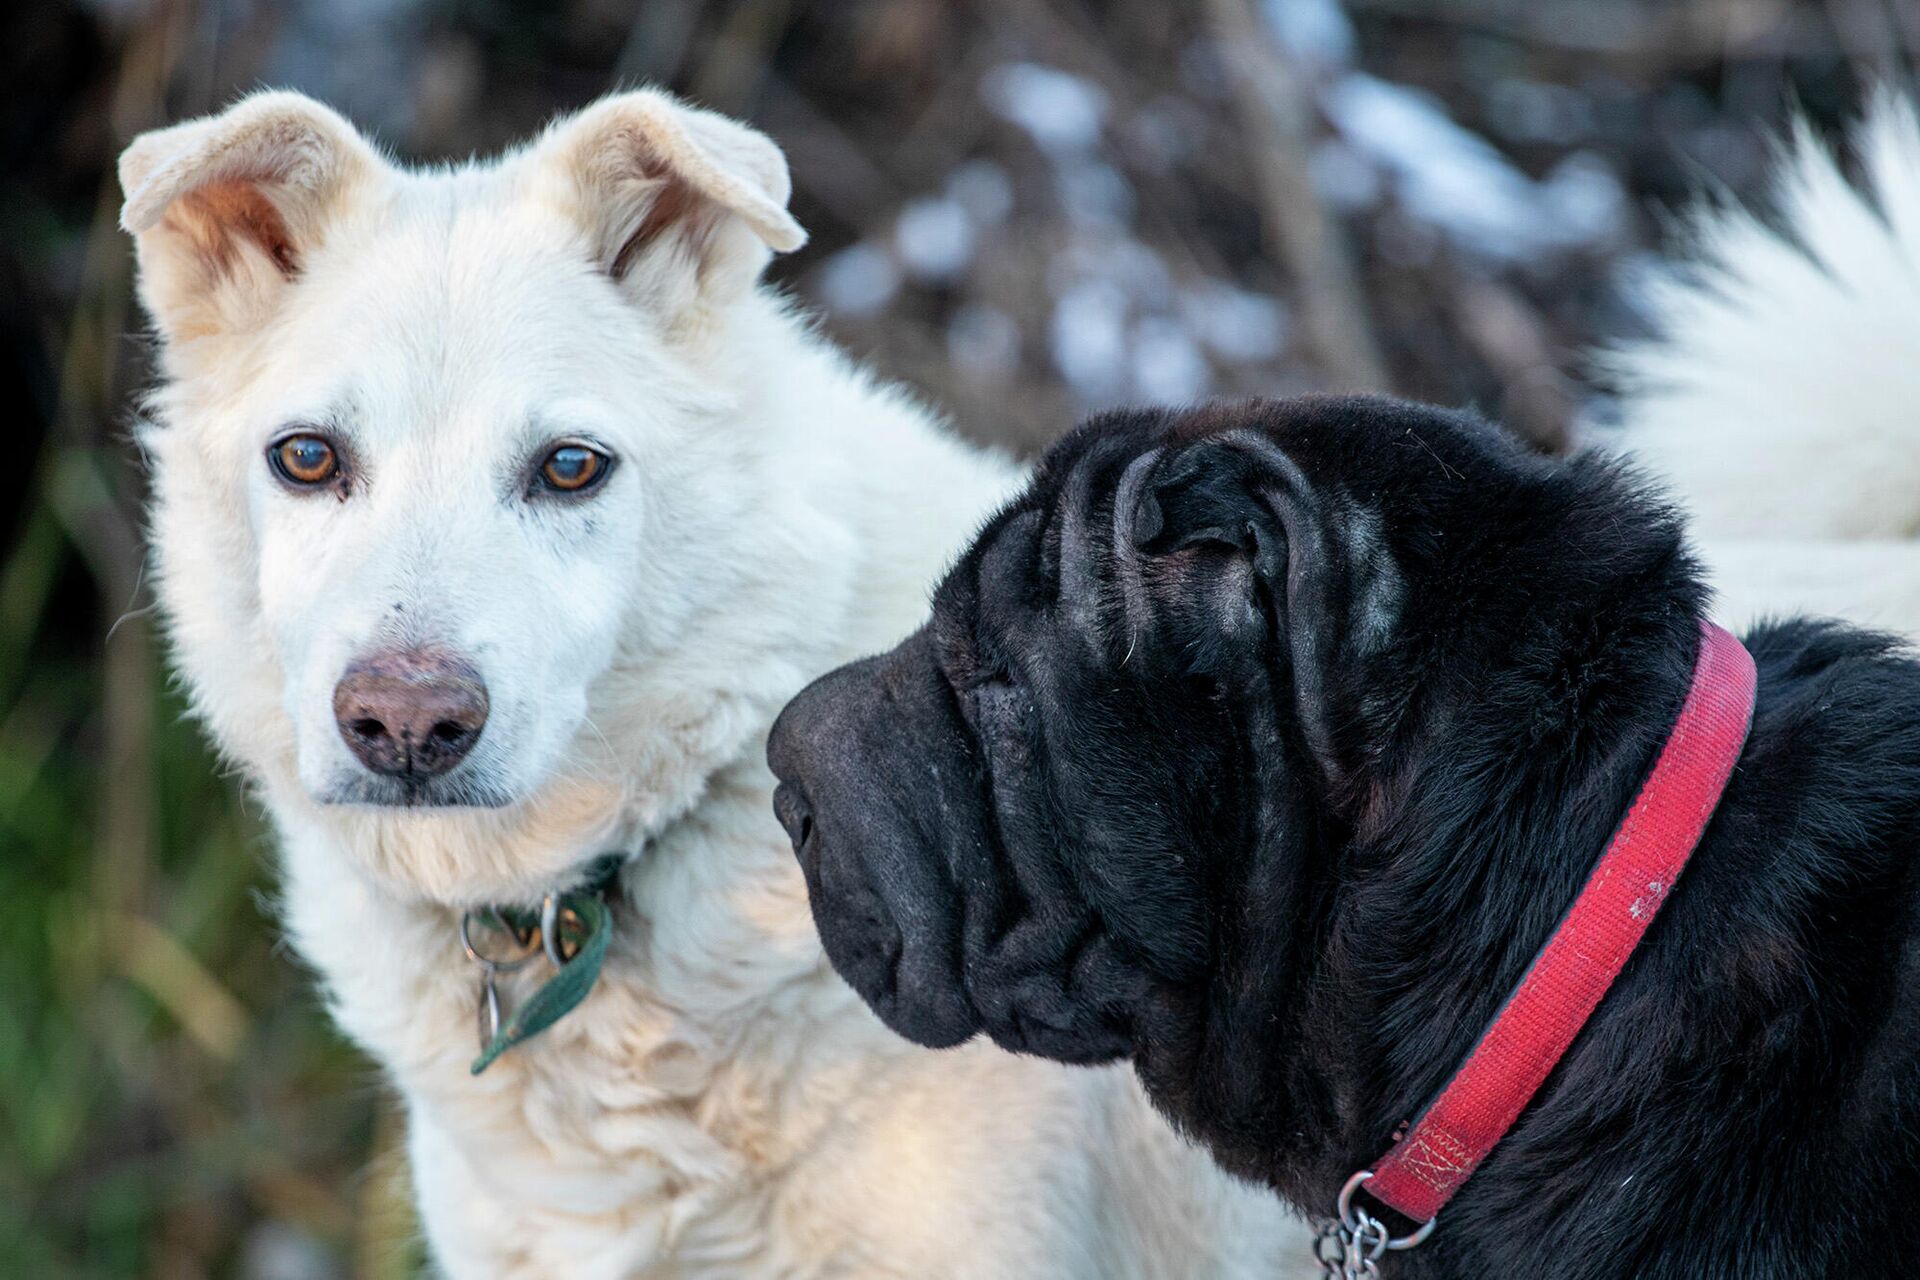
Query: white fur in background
{"type": "Point", "coordinates": [1780, 396]}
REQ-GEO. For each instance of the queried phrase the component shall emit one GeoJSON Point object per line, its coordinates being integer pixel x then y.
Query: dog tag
{"type": "Point", "coordinates": [489, 1010]}
{"type": "Point", "coordinates": [494, 927]}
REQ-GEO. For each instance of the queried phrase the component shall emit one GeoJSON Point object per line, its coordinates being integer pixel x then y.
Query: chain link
{"type": "Point", "coordinates": [1348, 1245]}
{"type": "Point", "coordinates": [1350, 1249]}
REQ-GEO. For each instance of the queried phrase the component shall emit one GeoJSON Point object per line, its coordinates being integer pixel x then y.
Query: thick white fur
{"type": "Point", "coordinates": [721, 1105]}
{"type": "Point", "coordinates": [1781, 397]}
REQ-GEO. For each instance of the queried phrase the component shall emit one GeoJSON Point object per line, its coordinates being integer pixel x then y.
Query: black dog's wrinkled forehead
{"type": "Point", "coordinates": [1021, 819]}
{"type": "Point", "coordinates": [1373, 450]}
{"type": "Point", "coordinates": [1125, 477]}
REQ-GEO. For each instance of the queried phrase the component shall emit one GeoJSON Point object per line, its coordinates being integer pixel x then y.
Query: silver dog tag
{"type": "Point", "coordinates": [489, 1010]}
{"type": "Point", "coordinates": [487, 1015]}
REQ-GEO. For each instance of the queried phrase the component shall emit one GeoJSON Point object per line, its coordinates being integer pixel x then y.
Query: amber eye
{"type": "Point", "coordinates": [574, 467]}
{"type": "Point", "coordinates": [305, 460]}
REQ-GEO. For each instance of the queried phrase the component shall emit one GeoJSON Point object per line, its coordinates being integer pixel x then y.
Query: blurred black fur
{"type": "Point", "coordinates": [1266, 744]}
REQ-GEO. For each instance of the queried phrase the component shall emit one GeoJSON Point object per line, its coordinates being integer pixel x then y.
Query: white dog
{"type": "Point", "coordinates": [1781, 396]}
{"type": "Point", "coordinates": [498, 508]}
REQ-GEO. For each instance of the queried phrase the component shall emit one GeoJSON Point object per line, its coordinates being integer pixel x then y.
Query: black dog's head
{"type": "Point", "coordinates": [1098, 802]}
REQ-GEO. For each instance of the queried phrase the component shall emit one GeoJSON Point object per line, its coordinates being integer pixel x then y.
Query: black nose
{"type": "Point", "coordinates": [795, 814]}
{"type": "Point", "coordinates": [410, 712]}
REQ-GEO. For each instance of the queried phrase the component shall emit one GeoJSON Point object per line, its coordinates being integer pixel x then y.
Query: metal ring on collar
{"type": "Point", "coordinates": [1352, 1218]}
{"type": "Point", "coordinates": [488, 962]}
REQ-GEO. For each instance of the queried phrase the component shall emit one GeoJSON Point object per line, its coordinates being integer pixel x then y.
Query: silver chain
{"type": "Point", "coordinates": [1349, 1244]}
{"type": "Point", "coordinates": [1351, 1249]}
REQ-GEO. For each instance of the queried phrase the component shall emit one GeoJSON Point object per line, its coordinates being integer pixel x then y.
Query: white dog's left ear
{"type": "Point", "coordinates": [682, 207]}
{"type": "Point", "coordinates": [226, 209]}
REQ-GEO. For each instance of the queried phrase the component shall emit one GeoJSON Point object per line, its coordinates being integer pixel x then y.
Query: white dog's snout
{"type": "Point", "coordinates": [410, 713]}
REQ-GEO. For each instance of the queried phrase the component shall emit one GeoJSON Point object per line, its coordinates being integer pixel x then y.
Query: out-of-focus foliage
{"type": "Point", "coordinates": [1026, 208]}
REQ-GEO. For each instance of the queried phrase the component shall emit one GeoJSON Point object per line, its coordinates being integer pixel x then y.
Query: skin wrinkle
{"type": "Point", "coordinates": [1126, 500]}
{"type": "Point", "coordinates": [1078, 574]}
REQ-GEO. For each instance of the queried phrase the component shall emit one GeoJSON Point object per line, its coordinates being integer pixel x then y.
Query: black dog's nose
{"type": "Point", "coordinates": [795, 814]}
{"type": "Point", "coordinates": [410, 712]}
{"type": "Point", "coordinates": [789, 755]}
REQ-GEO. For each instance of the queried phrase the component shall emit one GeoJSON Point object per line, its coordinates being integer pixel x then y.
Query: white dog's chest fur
{"type": "Point", "coordinates": [722, 1105]}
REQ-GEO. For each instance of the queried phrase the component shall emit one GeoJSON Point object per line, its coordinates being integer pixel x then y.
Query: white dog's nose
{"type": "Point", "coordinates": [410, 712]}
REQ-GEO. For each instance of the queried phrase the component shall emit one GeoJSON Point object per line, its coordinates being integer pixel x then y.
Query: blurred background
{"type": "Point", "coordinates": [1023, 208]}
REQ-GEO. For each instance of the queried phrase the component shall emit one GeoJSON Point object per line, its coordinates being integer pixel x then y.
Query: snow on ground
{"type": "Point", "coordinates": [1454, 180]}
{"type": "Point", "coordinates": [1117, 319]}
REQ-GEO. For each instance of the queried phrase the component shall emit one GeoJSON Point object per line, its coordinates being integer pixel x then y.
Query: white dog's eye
{"type": "Point", "coordinates": [305, 460]}
{"type": "Point", "coordinates": [573, 468]}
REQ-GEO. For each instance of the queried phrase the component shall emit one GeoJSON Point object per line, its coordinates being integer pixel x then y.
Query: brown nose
{"type": "Point", "coordinates": [410, 712]}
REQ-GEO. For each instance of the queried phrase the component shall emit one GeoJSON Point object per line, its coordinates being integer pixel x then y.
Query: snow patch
{"type": "Point", "coordinates": [1457, 182]}
{"type": "Point", "coordinates": [983, 190]}
{"type": "Point", "coordinates": [1586, 198]}
{"type": "Point", "coordinates": [1060, 111]}
{"type": "Point", "coordinates": [1236, 325]}
{"type": "Point", "coordinates": [934, 238]}
{"type": "Point", "coordinates": [1088, 336]}
{"type": "Point", "coordinates": [1094, 193]}
{"type": "Point", "coordinates": [1317, 32]}
{"type": "Point", "coordinates": [858, 281]}
{"type": "Point", "coordinates": [1167, 365]}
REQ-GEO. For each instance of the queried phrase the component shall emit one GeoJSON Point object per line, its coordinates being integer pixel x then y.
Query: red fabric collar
{"type": "Point", "coordinates": [1587, 951]}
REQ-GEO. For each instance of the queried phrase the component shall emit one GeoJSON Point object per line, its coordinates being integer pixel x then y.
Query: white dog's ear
{"type": "Point", "coordinates": [224, 209]}
{"type": "Point", "coordinates": [680, 206]}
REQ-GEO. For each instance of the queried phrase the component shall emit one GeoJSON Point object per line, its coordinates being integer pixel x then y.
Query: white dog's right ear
{"type": "Point", "coordinates": [224, 209]}
{"type": "Point", "coordinates": [682, 207]}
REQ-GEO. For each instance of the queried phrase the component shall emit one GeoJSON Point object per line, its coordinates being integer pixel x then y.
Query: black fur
{"type": "Point", "coordinates": [1266, 745]}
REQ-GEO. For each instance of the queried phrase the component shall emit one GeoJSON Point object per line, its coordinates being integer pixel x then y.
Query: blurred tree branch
{"type": "Point", "coordinates": [1276, 119]}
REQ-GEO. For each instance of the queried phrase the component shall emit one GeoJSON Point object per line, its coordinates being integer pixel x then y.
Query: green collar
{"type": "Point", "coordinates": [572, 928]}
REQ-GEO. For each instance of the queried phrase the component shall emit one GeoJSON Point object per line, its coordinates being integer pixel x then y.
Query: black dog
{"type": "Point", "coordinates": [1267, 744]}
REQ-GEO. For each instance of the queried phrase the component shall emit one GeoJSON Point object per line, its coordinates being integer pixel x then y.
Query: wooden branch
{"type": "Point", "coordinates": [1276, 118]}
{"type": "Point", "coordinates": [1511, 337]}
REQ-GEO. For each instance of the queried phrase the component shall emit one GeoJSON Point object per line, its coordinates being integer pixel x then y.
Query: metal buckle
{"type": "Point", "coordinates": [1348, 1246]}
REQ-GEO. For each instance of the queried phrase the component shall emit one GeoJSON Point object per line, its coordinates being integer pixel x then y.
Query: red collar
{"type": "Point", "coordinates": [1586, 952]}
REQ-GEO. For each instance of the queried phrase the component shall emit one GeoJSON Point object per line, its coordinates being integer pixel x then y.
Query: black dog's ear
{"type": "Point", "coordinates": [1204, 497]}
{"type": "Point", "coordinates": [1240, 494]}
